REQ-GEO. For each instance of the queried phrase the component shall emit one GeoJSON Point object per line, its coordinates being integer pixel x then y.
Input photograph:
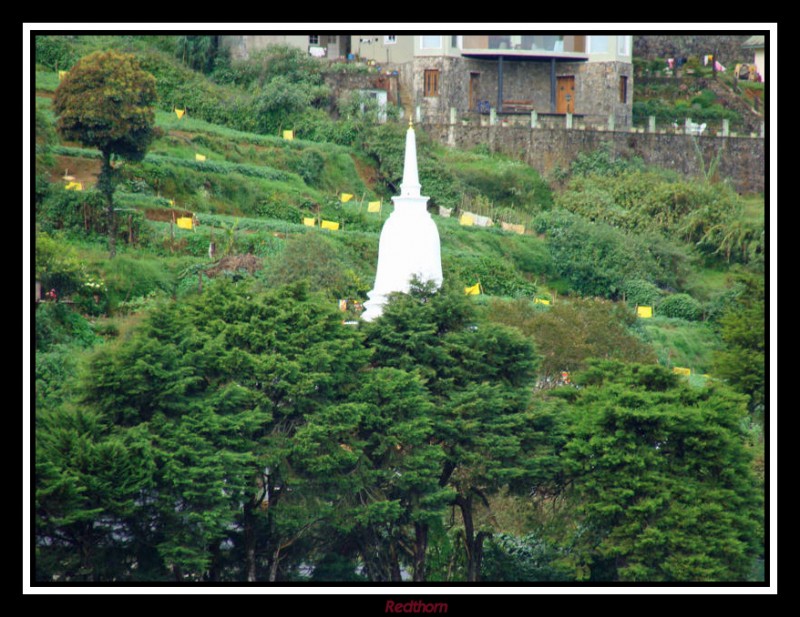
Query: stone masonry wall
{"type": "Point", "coordinates": [729, 47]}
{"type": "Point", "coordinates": [596, 86]}
{"type": "Point", "coordinates": [549, 149]}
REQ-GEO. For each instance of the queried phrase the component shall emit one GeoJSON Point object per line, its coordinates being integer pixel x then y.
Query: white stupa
{"type": "Point", "coordinates": [409, 244]}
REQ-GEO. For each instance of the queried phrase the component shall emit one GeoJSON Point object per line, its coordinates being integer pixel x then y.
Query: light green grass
{"type": "Point", "coordinates": [682, 343]}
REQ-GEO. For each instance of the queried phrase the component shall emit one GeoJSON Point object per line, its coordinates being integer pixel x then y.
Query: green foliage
{"type": "Point", "coordinates": [639, 292]}
{"type": "Point", "coordinates": [319, 260]}
{"type": "Point", "coordinates": [179, 86]}
{"type": "Point", "coordinates": [129, 277]}
{"type": "Point", "coordinates": [503, 181]}
{"type": "Point", "coordinates": [511, 559]}
{"type": "Point", "coordinates": [742, 360]}
{"type": "Point", "coordinates": [596, 258]}
{"type": "Point", "coordinates": [198, 52]}
{"type": "Point", "coordinates": [570, 332]}
{"type": "Point", "coordinates": [57, 324]}
{"type": "Point", "coordinates": [281, 99]}
{"type": "Point", "coordinates": [603, 162]}
{"type": "Point", "coordinates": [497, 276]}
{"type": "Point", "coordinates": [105, 102]}
{"type": "Point", "coordinates": [680, 306]}
{"type": "Point", "coordinates": [677, 342]}
{"type": "Point", "coordinates": [58, 265]}
{"type": "Point", "coordinates": [54, 52]}
{"type": "Point", "coordinates": [662, 478]}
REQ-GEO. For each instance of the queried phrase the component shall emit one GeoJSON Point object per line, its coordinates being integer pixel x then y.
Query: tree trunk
{"type": "Point", "coordinates": [473, 544]}
{"type": "Point", "coordinates": [250, 542]}
{"type": "Point", "coordinates": [106, 185]}
{"type": "Point", "coordinates": [420, 548]}
{"type": "Point", "coordinates": [394, 562]}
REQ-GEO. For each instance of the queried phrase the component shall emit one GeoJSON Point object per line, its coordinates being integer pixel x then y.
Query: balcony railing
{"type": "Point", "coordinates": [535, 43]}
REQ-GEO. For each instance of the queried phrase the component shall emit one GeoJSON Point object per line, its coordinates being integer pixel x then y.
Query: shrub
{"type": "Point", "coordinates": [680, 306]}
{"type": "Point", "coordinates": [638, 291]}
{"type": "Point", "coordinates": [55, 52]}
{"type": "Point", "coordinates": [594, 257]}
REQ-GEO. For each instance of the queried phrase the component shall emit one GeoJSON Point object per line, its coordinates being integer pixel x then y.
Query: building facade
{"type": "Point", "coordinates": [588, 76]}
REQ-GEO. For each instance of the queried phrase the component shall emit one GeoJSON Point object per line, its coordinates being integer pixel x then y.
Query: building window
{"type": "Point", "coordinates": [454, 41]}
{"type": "Point", "coordinates": [313, 39]}
{"type": "Point", "coordinates": [623, 89]}
{"type": "Point", "coordinates": [390, 39]}
{"type": "Point", "coordinates": [623, 46]}
{"type": "Point", "coordinates": [431, 82]}
{"type": "Point", "coordinates": [430, 42]}
{"type": "Point", "coordinates": [598, 44]}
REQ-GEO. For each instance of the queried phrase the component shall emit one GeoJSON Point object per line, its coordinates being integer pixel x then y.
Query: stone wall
{"type": "Point", "coordinates": [729, 47]}
{"type": "Point", "coordinates": [548, 149]}
{"type": "Point", "coordinates": [596, 86]}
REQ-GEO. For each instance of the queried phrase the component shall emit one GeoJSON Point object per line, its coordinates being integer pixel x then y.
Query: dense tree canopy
{"type": "Point", "coordinates": [106, 102]}
{"type": "Point", "coordinates": [664, 483]}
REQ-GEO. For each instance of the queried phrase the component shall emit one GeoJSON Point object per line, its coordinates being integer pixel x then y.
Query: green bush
{"type": "Point", "coordinates": [603, 162]}
{"type": "Point", "coordinates": [595, 258]}
{"type": "Point", "coordinates": [680, 306]}
{"type": "Point", "coordinates": [639, 292]}
{"type": "Point", "coordinates": [128, 277]}
{"type": "Point", "coordinates": [55, 52]}
{"type": "Point", "coordinates": [57, 324]}
{"type": "Point", "coordinates": [58, 266]}
{"type": "Point", "coordinates": [528, 558]}
{"type": "Point", "coordinates": [497, 276]}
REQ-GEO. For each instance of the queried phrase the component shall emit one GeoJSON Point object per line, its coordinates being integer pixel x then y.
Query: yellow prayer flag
{"type": "Point", "coordinates": [330, 225]}
{"type": "Point", "coordinates": [184, 222]}
{"type": "Point", "coordinates": [541, 301]}
{"type": "Point", "coordinates": [288, 135]}
{"type": "Point", "coordinates": [474, 290]}
{"type": "Point", "coordinates": [179, 113]}
{"type": "Point", "coordinates": [346, 197]}
{"type": "Point", "coordinates": [62, 75]}
{"type": "Point", "coordinates": [309, 221]}
{"type": "Point", "coordinates": [678, 370]}
{"type": "Point", "coordinates": [466, 219]}
{"type": "Point", "coordinates": [374, 206]}
{"type": "Point", "coordinates": [199, 157]}
{"type": "Point", "coordinates": [645, 312]}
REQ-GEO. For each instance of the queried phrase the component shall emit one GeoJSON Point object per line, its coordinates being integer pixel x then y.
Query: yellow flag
{"type": "Point", "coordinates": [184, 222]}
{"type": "Point", "coordinates": [678, 370]}
{"type": "Point", "coordinates": [330, 225]}
{"type": "Point", "coordinates": [541, 301]}
{"type": "Point", "coordinates": [171, 202]}
{"type": "Point", "coordinates": [62, 75]}
{"type": "Point", "coordinates": [309, 222]}
{"type": "Point", "coordinates": [374, 206]}
{"type": "Point", "coordinates": [289, 135]}
{"type": "Point", "coordinates": [346, 197]}
{"type": "Point", "coordinates": [474, 290]}
{"type": "Point", "coordinates": [179, 113]}
{"type": "Point", "coordinates": [466, 219]}
{"type": "Point", "coordinates": [645, 312]}
{"type": "Point", "coordinates": [74, 186]}
{"type": "Point", "coordinates": [199, 157]}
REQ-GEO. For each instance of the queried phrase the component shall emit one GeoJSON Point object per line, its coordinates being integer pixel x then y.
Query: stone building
{"type": "Point", "coordinates": [333, 46]}
{"type": "Point", "coordinates": [590, 77]}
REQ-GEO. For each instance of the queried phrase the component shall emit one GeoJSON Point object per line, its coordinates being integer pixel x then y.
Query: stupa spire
{"type": "Point", "coordinates": [410, 187]}
{"type": "Point", "coordinates": [409, 246]}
